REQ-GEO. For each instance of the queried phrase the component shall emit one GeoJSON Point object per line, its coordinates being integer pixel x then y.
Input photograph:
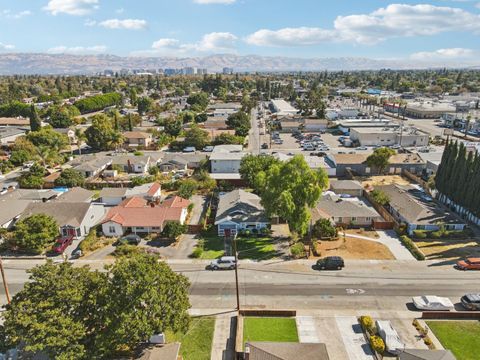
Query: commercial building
{"type": "Point", "coordinates": [428, 110]}
{"type": "Point", "coordinates": [374, 136]}
{"type": "Point", "coordinates": [346, 125]}
{"type": "Point", "coordinates": [281, 108]}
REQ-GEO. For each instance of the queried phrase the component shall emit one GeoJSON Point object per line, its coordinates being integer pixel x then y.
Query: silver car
{"type": "Point", "coordinates": [224, 263]}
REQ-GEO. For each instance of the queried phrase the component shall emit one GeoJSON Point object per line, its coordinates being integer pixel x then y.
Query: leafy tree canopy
{"type": "Point", "coordinates": [35, 233]}
{"type": "Point", "coordinates": [70, 178]}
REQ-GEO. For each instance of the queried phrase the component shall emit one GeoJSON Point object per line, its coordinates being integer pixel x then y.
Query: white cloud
{"type": "Point", "coordinates": [128, 24]}
{"type": "Point", "coordinates": [290, 37]}
{"type": "Point", "coordinates": [10, 15]}
{"type": "Point", "coordinates": [6, 46]}
{"type": "Point", "coordinates": [78, 50]}
{"type": "Point", "coordinates": [207, 2]}
{"type": "Point", "coordinates": [395, 20]}
{"type": "Point", "coordinates": [444, 54]}
{"type": "Point", "coordinates": [477, 5]}
{"type": "Point", "coordinates": [120, 11]}
{"type": "Point", "coordinates": [71, 7]}
{"type": "Point", "coordinates": [210, 43]}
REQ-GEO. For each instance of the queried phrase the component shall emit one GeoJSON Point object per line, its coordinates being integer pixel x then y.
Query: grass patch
{"type": "Point", "coordinates": [461, 337]}
{"type": "Point", "coordinates": [213, 247]}
{"type": "Point", "coordinates": [197, 342]}
{"type": "Point", "coordinates": [269, 329]}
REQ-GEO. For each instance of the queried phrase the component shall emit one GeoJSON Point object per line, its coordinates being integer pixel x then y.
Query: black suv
{"type": "Point", "coordinates": [330, 263]}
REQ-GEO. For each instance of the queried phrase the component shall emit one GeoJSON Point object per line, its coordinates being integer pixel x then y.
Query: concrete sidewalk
{"type": "Point", "coordinates": [307, 332]}
{"type": "Point", "coordinates": [223, 345]}
{"type": "Point", "coordinates": [353, 339]}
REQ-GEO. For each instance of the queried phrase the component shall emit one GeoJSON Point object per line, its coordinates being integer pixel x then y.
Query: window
{"type": "Point", "coordinates": [111, 229]}
{"type": "Point", "coordinates": [368, 219]}
{"type": "Point", "coordinates": [354, 219]}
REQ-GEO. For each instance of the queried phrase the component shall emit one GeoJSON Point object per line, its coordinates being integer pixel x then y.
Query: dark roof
{"type": "Point", "coordinates": [165, 352]}
{"type": "Point", "coordinates": [240, 206]}
{"type": "Point", "coordinates": [416, 354]}
{"type": "Point", "coordinates": [76, 194]}
{"type": "Point", "coordinates": [65, 213]}
{"type": "Point", "coordinates": [345, 185]}
{"type": "Point", "coordinates": [334, 206]}
{"type": "Point", "coordinates": [288, 351]}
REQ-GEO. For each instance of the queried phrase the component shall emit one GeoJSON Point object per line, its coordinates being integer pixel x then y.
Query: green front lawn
{"type": "Point", "coordinates": [269, 329]}
{"type": "Point", "coordinates": [461, 337]}
{"type": "Point", "coordinates": [261, 248]}
{"type": "Point", "coordinates": [197, 342]}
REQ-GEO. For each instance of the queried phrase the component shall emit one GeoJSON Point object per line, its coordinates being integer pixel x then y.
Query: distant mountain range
{"type": "Point", "coordinates": [36, 63]}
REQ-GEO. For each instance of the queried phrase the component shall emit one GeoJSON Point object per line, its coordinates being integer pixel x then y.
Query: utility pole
{"type": "Point", "coordinates": [5, 285]}
{"type": "Point", "coordinates": [236, 271]}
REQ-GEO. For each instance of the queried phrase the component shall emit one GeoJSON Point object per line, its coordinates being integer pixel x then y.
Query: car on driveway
{"type": "Point", "coordinates": [469, 264]}
{"type": "Point", "coordinates": [330, 263]}
{"type": "Point", "coordinates": [471, 301]}
{"type": "Point", "coordinates": [224, 263]}
{"type": "Point", "coordinates": [432, 303]}
{"type": "Point", "coordinates": [362, 148]}
{"type": "Point", "coordinates": [131, 239]}
{"type": "Point", "coordinates": [62, 243]}
{"type": "Point", "coordinates": [264, 146]}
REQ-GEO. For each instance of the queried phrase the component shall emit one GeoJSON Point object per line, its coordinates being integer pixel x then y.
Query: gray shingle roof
{"type": "Point", "coordinates": [288, 351]}
{"type": "Point", "coordinates": [240, 206]}
{"type": "Point", "coordinates": [63, 212]}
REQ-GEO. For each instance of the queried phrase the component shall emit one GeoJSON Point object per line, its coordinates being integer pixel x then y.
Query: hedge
{"type": "Point", "coordinates": [98, 102]}
{"type": "Point", "coordinates": [412, 247]}
{"type": "Point", "coordinates": [367, 324]}
{"type": "Point", "coordinates": [377, 344]}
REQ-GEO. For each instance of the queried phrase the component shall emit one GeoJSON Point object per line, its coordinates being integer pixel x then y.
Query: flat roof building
{"type": "Point", "coordinates": [374, 136]}
{"type": "Point", "coordinates": [281, 107]}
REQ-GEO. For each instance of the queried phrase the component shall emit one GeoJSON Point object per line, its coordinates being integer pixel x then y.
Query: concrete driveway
{"type": "Point", "coordinates": [199, 207]}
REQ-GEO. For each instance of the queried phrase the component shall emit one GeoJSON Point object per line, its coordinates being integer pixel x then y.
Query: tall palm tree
{"type": "Point", "coordinates": [116, 140]}
{"type": "Point", "coordinates": [80, 135]}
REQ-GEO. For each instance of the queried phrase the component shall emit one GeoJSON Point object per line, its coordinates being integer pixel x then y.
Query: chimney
{"type": "Point", "coordinates": [152, 205]}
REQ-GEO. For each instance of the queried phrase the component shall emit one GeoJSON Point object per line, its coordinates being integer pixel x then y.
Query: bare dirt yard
{"type": "Point", "coordinates": [383, 180]}
{"type": "Point", "coordinates": [353, 248]}
{"type": "Point", "coordinates": [448, 249]}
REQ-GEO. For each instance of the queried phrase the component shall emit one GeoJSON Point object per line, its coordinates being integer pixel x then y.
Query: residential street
{"type": "Point", "coordinates": [367, 285]}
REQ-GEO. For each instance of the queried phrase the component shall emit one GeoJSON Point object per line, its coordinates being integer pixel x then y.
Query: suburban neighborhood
{"type": "Point", "coordinates": [170, 206]}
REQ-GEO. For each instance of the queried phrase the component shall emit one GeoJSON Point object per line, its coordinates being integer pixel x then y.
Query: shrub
{"type": "Point", "coordinates": [90, 241]}
{"type": "Point", "coordinates": [427, 341]}
{"type": "Point", "coordinates": [419, 234]}
{"type": "Point", "coordinates": [297, 250]}
{"type": "Point", "coordinates": [197, 253]}
{"type": "Point", "coordinates": [126, 250]}
{"type": "Point", "coordinates": [367, 323]}
{"type": "Point", "coordinates": [436, 234]}
{"type": "Point", "coordinates": [323, 228]}
{"type": "Point", "coordinates": [173, 229]}
{"type": "Point", "coordinates": [412, 247]}
{"type": "Point", "coordinates": [377, 344]}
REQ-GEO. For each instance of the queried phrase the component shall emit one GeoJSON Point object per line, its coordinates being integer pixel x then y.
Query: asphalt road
{"type": "Point", "coordinates": [387, 285]}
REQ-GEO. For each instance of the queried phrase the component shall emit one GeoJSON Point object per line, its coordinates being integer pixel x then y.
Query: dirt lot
{"type": "Point", "coordinates": [448, 249]}
{"type": "Point", "coordinates": [354, 248]}
{"type": "Point", "coordinates": [383, 180]}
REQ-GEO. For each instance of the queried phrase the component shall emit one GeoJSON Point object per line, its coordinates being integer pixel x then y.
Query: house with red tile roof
{"type": "Point", "coordinates": [138, 216]}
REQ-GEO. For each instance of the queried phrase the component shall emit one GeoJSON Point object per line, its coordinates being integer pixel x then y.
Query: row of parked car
{"type": "Point", "coordinates": [311, 142]}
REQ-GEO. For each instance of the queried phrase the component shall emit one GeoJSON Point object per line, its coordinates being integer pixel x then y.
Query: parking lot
{"type": "Point", "coordinates": [290, 145]}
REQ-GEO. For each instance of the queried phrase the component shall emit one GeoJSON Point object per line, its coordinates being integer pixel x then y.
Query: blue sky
{"type": "Point", "coordinates": [419, 31]}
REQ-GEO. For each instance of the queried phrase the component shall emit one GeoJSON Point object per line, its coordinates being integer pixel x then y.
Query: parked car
{"type": "Point", "coordinates": [330, 263]}
{"type": "Point", "coordinates": [432, 303]}
{"type": "Point", "coordinates": [395, 147]}
{"type": "Point", "coordinates": [131, 239]}
{"type": "Point", "coordinates": [469, 264]}
{"type": "Point", "coordinates": [208, 149]}
{"type": "Point", "coordinates": [76, 254]}
{"type": "Point", "coordinates": [224, 263]}
{"type": "Point", "coordinates": [393, 343]}
{"type": "Point", "coordinates": [361, 148]}
{"type": "Point", "coordinates": [471, 301]}
{"type": "Point", "coordinates": [62, 243]}
{"type": "Point", "coordinates": [264, 146]}
{"type": "Point", "coordinates": [189, 149]}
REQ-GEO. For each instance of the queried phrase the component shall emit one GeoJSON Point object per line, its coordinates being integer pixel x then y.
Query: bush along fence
{"type": "Point", "coordinates": [412, 247]}
{"type": "Point", "coordinates": [423, 331]}
{"type": "Point", "coordinates": [370, 332]}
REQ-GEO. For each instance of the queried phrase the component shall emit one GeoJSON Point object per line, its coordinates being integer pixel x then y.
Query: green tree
{"type": "Point", "coordinates": [380, 197]}
{"type": "Point", "coordinates": [198, 102]}
{"type": "Point", "coordinates": [34, 178]}
{"type": "Point", "coordinates": [35, 122]}
{"type": "Point", "coordinates": [200, 118]}
{"type": "Point", "coordinates": [48, 137]}
{"type": "Point", "coordinates": [144, 105]}
{"type": "Point", "coordinates": [101, 135]}
{"type": "Point", "coordinates": [173, 229]}
{"type": "Point", "coordinates": [133, 96]}
{"type": "Point", "coordinates": [240, 122]}
{"type": "Point", "coordinates": [62, 116]}
{"type": "Point", "coordinates": [228, 139]}
{"type": "Point", "coordinates": [35, 233]}
{"type": "Point", "coordinates": [72, 313]}
{"type": "Point", "coordinates": [173, 126]}
{"type": "Point", "coordinates": [70, 178]}
{"type": "Point", "coordinates": [380, 158]}
{"type": "Point", "coordinates": [323, 228]}
{"type": "Point", "coordinates": [252, 165]}
{"type": "Point", "coordinates": [187, 188]}
{"type": "Point", "coordinates": [196, 137]}
{"type": "Point", "coordinates": [290, 189]}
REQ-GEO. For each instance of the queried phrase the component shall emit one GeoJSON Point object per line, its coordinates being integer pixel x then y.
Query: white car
{"type": "Point", "coordinates": [393, 343]}
{"type": "Point", "coordinates": [224, 263]}
{"type": "Point", "coordinates": [432, 303]}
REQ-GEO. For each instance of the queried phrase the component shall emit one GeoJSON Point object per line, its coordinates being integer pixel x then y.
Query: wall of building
{"type": "Point", "coordinates": [225, 166]}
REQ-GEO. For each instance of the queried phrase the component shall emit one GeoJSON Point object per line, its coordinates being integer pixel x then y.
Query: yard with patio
{"type": "Point", "coordinates": [196, 343]}
{"type": "Point", "coordinates": [269, 329]}
{"type": "Point", "coordinates": [461, 337]}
